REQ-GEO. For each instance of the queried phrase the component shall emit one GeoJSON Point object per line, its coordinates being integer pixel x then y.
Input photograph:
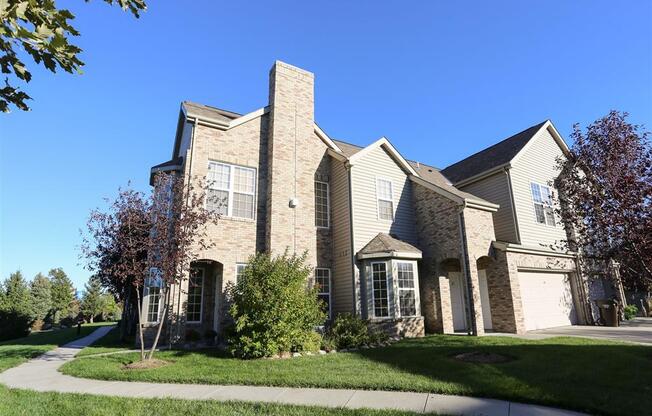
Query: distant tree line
{"type": "Point", "coordinates": [49, 301]}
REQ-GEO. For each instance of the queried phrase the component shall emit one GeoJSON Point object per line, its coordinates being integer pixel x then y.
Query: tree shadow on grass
{"type": "Point", "coordinates": [572, 373]}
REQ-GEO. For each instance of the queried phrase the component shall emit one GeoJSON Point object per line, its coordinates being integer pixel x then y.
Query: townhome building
{"type": "Point", "coordinates": [409, 247]}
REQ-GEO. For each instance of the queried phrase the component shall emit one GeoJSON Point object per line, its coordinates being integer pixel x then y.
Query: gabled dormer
{"type": "Point", "coordinates": [517, 173]}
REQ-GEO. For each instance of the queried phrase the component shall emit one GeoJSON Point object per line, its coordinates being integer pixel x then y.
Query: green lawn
{"type": "Point", "coordinates": [587, 375]}
{"type": "Point", "coordinates": [108, 343]}
{"type": "Point", "coordinates": [29, 403]}
{"type": "Point", "coordinates": [16, 351]}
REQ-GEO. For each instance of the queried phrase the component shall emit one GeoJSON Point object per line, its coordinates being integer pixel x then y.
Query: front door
{"type": "Point", "coordinates": [484, 298]}
{"type": "Point", "coordinates": [457, 301]}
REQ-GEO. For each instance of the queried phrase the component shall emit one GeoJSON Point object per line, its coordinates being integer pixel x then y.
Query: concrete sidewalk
{"type": "Point", "coordinates": [41, 374]}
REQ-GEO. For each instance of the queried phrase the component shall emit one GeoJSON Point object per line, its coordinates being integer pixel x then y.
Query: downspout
{"type": "Point", "coordinates": [513, 204]}
{"type": "Point", "coordinates": [470, 310]}
{"type": "Point", "coordinates": [348, 167]}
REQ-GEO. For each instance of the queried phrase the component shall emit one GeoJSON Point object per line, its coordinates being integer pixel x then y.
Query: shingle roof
{"type": "Point", "coordinates": [491, 157]}
{"type": "Point", "coordinates": [208, 112]}
{"type": "Point", "coordinates": [385, 243]}
{"type": "Point", "coordinates": [347, 148]}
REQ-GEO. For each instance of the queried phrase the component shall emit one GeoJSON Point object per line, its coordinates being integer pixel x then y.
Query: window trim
{"type": "Point", "coordinates": [387, 286]}
{"type": "Point", "coordinates": [544, 205]}
{"type": "Point", "coordinates": [378, 199]}
{"type": "Point", "coordinates": [328, 206]}
{"type": "Point", "coordinates": [413, 289]}
{"type": "Point", "coordinates": [244, 266]}
{"type": "Point", "coordinates": [229, 207]}
{"type": "Point", "coordinates": [201, 298]}
{"type": "Point", "coordinates": [146, 297]}
{"type": "Point", "coordinates": [330, 290]}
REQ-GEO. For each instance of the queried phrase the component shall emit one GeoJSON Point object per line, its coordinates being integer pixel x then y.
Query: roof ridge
{"type": "Point", "coordinates": [538, 126]}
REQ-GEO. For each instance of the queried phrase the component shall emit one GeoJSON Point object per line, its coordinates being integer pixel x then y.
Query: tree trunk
{"type": "Point", "coordinates": [140, 326]}
{"type": "Point", "coordinates": [160, 325]}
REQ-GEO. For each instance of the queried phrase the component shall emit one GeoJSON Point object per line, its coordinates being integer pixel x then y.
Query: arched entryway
{"type": "Point", "coordinates": [203, 297]}
{"type": "Point", "coordinates": [483, 264]}
{"type": "Point", "coordinates": [456, 314]}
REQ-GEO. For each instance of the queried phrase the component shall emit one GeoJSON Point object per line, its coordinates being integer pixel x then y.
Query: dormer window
{"type": "Point", "coordinates": [543, 209]}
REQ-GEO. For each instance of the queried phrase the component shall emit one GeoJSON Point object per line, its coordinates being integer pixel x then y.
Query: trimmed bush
{"type": "Point", "coordinates": [630, 311]}
{"type": "Point", "coordinates": [351, 331]}
{"type": "Point", "coordinates": [273, 309]}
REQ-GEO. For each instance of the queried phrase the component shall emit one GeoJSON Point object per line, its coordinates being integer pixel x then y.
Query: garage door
{"type": "Point", "coordinates": [547, 300]}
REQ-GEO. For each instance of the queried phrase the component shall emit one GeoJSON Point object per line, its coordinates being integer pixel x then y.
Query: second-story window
{"type": "Point", "coordinates": [385, 199]}
{"type": "Point", "coordinates": [321, 205]}
{"type": "Point", "coordinates": [543, 208]}
{"type": "Point", "coordinates": [232, 190]}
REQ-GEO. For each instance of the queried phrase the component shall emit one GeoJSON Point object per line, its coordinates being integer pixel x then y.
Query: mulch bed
{"type": "Point", "coordinates": [143, 365]}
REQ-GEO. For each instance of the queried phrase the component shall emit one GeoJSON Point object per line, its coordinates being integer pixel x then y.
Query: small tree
{"type": "Point", "coordinates": [92, 302]}
{"type": "Point", "coordinates": [63, 293]}
{"type": "Point", "coordinates": [115, 247]}
{"type": "Point", "coordinates": [41, 296]}
{"type": "Point", "coordinates": [605, 190]}
{"type": "Point", "coordinates": [178, 236]}
{"type": "Point", "coordinates": [273, 308]}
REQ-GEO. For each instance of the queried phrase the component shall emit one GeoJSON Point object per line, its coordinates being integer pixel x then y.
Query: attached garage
{"type": "Point", "coordinates": [547, 300]}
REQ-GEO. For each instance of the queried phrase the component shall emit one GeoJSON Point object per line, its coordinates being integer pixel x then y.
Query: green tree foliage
{"type": "Point", "coordinates": [43, 31]}
{"type": "Point", "coordinates": [273, 309]}
{"type": "Point", "coordinates": [63, 293]}
{"type": "Point", "coordinates": [17, 296]}
{"type": "Point", "coordinates": [16, 314]}
{"type": "Point", "coordinates": [111, 310]}
{"type": "Point", "coordinates": [92, 302]}
{"type": "Point", "coordinates": [41, 296]}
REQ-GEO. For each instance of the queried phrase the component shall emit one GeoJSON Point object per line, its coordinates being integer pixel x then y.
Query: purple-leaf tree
{"type": "Point", "coordinates": [115, 247]}
{"type": "Point", "coordinates": [178, 237]}
{"type": "Point", "coordinates": [605, 191]}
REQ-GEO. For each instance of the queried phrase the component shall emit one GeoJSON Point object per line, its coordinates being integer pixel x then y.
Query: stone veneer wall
{"type": "Point", "coordinates": [438, 227]}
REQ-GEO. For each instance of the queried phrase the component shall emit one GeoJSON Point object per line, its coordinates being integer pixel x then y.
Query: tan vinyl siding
{"type": "Point", "coordinates": [536, 164]}
{"type": "Point", "coordinates": [342, 280]}
{"type": "Point", "coordinates": [186, 134]}
{"type": "Point", "coordinates": [495, 188]}
{"type": "Point", "coordinates": [366, 225]}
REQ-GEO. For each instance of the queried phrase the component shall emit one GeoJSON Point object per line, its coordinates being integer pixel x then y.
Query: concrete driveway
{"type": "Point", "coordinates": [637, 330]}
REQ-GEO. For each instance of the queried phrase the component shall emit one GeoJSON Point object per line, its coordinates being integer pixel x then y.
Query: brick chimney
{"type": "Point", "coordinates": [291, 101]}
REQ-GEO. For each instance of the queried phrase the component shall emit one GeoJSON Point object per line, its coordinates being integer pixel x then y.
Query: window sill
{"type": "Point", "coordinates": [237, 219]}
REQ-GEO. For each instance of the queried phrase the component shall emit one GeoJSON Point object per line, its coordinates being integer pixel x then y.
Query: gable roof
{"type": "Point", "coordinates": [429, 175]}
{"type": "Point", "coordinates": [385, 245]}
{"type": "Point", "coordinates": [492, 157]}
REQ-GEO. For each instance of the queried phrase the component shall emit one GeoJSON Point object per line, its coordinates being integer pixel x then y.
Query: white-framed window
{"type": "Point", "coordinates": [323, 282]}
{"type": "Point", "coordinates": [543, 208]}
{"type": "Point", "coordinates": [232, 190]}
{"type": "Point", "coordinates": [407, 298]}
{"type": "Point", "coordinates": [152, 296]}
{"type": "Point", "coordinates": [239, 271]}
{"type": "Point", "coordinates": [322, 205]}
{"type": "Point", "coordinates": [195, 295]}
{"type": "Point", "coordinates": [380, 289]}
{"type": "Point", "coordinates": [385, 199]}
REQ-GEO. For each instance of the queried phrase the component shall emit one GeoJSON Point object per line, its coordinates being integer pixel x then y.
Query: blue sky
{"type": "Point", "coordinates": [440, 79]}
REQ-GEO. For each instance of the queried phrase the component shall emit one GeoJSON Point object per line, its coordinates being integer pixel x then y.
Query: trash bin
{"type": "Point", "coordinates": [608, 311]}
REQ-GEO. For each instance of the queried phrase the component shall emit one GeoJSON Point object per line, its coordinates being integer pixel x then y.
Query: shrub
{"type": "Point", "coordinates": [273, 309]}
{"type": "Point", "coordinates": [192, 335]}
{"type": "Point", "coordinates": [14, 324]}
{"type": "Point", "coordinates": [350, 331]}
{"type": "Point", "coordinates": [630, 311]}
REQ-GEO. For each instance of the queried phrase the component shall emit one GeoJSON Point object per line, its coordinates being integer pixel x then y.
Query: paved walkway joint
{"type": "Point", "coordinates": [41, 374]}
